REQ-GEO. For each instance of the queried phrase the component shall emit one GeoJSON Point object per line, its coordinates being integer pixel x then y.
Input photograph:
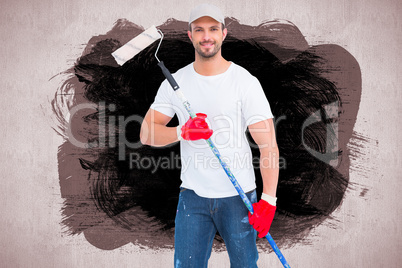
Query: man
{"type": "Point", "coordinates": [232, 100]}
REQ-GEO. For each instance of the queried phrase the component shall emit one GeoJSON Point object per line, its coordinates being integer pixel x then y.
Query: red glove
{"type": "Point", "coordinates": [196, 128]}
{"type": "Point", "coordinates": [262, 218]}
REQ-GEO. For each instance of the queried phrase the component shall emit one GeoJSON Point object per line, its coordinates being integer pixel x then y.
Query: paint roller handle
{"type": "Point", "coordinates": [168, 76]}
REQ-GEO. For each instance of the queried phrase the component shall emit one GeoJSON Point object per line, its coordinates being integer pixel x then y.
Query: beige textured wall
{"type": "Point", "coordinates": [39, 39]}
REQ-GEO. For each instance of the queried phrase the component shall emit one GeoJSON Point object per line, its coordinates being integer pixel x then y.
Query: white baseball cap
{"type": "Point", "coordinates": [206, 10]}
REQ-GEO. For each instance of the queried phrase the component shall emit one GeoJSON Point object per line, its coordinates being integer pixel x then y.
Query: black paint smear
{"type": "Point", "coordinates": [114, 203]}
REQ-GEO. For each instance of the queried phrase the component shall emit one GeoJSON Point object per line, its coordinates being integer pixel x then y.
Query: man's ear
{"type": "Point", "coordinates": [225, 32]}
{"type": "Point", "coordinates": [190, 36]}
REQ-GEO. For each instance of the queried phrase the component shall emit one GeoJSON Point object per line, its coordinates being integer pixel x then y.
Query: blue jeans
{"type": "Point", "coordinates": [197, 221]}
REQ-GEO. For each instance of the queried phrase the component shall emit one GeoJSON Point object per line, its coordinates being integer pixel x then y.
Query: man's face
{"type": "Point", "coordinates": [207, 36]}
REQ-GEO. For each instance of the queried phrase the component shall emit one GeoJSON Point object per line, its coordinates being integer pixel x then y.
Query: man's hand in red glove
{"type": "Point", "coordinates": [196, 128]}
{"type": "Point", "coordinates": [262, 218]}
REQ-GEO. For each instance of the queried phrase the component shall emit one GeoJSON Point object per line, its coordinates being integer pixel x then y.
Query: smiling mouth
{"type": "Point", "coordinates": [207, 45]}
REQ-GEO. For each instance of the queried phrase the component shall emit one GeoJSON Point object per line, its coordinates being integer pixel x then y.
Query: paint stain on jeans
{"type": "Point", "coordinates": [240, 235]}
{"type": "Point", "coordinates": [245, 220]}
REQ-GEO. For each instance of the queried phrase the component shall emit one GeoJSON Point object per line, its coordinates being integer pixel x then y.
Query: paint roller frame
{"type": "Point", "coordinates": [139, 43]}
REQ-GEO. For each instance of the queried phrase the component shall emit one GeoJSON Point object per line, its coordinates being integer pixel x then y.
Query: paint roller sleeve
{"type": "Point", "coordinates": [136, 45]}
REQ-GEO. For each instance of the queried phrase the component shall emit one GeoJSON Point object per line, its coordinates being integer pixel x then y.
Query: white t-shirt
{"type": "Point", "coordinates": [232, 101]}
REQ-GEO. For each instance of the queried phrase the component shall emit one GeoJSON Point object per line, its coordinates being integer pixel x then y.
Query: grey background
{"type": "Point", "coordinates": [39, 39]}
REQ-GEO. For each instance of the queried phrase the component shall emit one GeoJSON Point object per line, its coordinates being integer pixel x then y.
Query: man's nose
{"type": "Point", "coordinates": [207, 36]}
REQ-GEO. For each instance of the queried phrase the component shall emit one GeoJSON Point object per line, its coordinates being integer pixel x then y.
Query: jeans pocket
{"type": "Point", "coordinates": [252, 196]}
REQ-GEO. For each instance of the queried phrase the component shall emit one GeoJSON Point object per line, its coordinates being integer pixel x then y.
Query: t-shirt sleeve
{"type": "Point", "coordinates": [163, 100]}
{"type": "Point", "coordinates": [255, 106]}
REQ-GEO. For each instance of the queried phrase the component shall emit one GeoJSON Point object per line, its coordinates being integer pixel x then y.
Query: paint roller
{"type": "Point", "coordinates": [135, 46]}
